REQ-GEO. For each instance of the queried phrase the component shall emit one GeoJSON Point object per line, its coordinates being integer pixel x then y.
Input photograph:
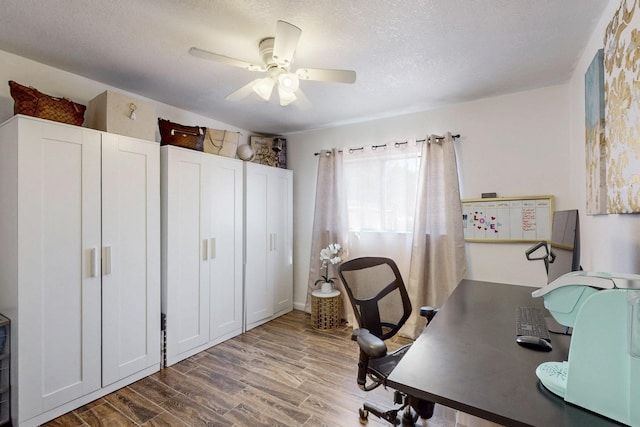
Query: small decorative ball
{"type": "Point", "coordinates": [245, 152]}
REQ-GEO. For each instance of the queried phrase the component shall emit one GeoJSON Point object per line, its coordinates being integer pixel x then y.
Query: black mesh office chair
{"type": "Point", "coordinates": [381, 306]}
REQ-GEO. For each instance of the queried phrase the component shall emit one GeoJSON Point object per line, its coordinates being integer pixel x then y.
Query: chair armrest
{"type": "Point", "coordinates": [428, 312]}
{"type": "Point", "coordinates": [357, 332]}
{"type": "Point", "coordinates": [370, 344]}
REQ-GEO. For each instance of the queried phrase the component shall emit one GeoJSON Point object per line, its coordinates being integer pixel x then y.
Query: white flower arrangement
{"type": "Point", "coordinates": [330, 255]}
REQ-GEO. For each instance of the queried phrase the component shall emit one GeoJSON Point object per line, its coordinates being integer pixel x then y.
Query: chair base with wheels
{"type": "Point", "coordinates": [406, 415]}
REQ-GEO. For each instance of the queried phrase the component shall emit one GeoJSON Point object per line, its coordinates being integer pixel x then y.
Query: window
{"type": "Point", "coordinates": [381, 188]}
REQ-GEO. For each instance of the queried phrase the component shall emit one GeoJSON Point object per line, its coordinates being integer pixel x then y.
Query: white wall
{"type": "Point", "coordinates": [515, 145]}
{"type": "Point", "coordinates": [56, 82]}
{"type": "Point", "coordinates": [527, 143]}
{"type": "Point", "coordinates": [609, 242]}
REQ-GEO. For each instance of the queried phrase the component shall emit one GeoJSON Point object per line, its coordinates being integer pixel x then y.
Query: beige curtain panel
{"type": "Point", "coordinates": [329, 224]}
{"type": "Point", "coordinates": [438, 259]}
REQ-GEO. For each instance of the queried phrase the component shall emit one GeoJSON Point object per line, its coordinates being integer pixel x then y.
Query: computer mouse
{"type": "Point", "coordinates": [534, 343]}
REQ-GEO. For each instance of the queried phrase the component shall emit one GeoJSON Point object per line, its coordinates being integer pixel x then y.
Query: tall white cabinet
{"type": "Point", "coordinates": [79, 263]}
{"type": "Point", "coordinates": [202, 241]}
{"type": "Point", "coordinates": [268, 243]}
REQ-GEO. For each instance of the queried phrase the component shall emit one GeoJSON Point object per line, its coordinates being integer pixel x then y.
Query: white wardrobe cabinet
{"type": "Point", "coordinates": [202, 238]}
{"type": "Point", "coordinates": [268, 243]}
{"type": "Point", "coordinates": [79, 263]}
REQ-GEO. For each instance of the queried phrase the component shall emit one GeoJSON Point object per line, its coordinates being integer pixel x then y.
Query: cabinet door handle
{"type": "Point", "coordinates": [205, 249]}
{"type": "Point", "coordinates": [275, 240]}
{"type": "Point", "coordinates": [272, 242]}
{"type": "Point", "coordinates": [93, 262]}
{"type": "Point", "coordinates": [107, 260]}
{"type": "Point", "coordinates": [213, 248]}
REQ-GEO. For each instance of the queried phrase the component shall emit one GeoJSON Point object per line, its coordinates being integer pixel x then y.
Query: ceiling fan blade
{"type": "Point", "coordinates": [199, 53]}
{"type": "Point", "coordinates": [243, 92]}
{"type": "Point", "coordinates": [285, 43]}
{"type": "Point", "coordinates": [337, 76]}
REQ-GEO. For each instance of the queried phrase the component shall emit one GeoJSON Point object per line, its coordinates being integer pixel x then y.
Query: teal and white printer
{"type": "Point", "coordinates": [603, 370]}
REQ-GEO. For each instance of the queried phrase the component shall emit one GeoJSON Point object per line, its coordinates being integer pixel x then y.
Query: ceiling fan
{"type": "Point", "coordinates": [277, 56]}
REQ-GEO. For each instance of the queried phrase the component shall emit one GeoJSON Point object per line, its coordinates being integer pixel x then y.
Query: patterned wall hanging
{"type": "Point", "coordinates": [270, 151]}
{"type": "Point", "coordinates": [622, 108]}
{"type": "Point", "coordinates": [594, 133]}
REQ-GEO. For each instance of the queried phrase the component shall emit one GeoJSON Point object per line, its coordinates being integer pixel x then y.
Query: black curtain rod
{"type": "Point", "coordinates": [396, 144]}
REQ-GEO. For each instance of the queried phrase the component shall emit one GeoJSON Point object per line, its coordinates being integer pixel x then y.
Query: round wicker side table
{"type": "Point", "coordinates": [325, 309]}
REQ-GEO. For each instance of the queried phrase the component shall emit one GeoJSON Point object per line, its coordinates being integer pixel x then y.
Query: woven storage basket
{"type": "Point", "coordinates": [29, 101]}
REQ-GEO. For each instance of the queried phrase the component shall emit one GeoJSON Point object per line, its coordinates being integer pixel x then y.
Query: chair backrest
{"type": "Point", "coordinates": [377, 293]}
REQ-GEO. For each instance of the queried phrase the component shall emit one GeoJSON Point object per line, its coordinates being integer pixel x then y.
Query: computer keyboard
{"type": "Point", "coordinates": [530, 321]}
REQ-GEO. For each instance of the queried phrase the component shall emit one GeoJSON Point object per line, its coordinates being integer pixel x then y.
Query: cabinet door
{"type": "Point", "coordinates": [225, 250]}
{"type": "Point", "coordinates": [280, 211]}
{"type": "Point", "coordinates": [58, 264]}
{"type": "Point", "coordinates": [185, 254]}
{"type": "Point", "coordinates": [258, 291]}
{"type": "Point", "coordinates": [131, 256]}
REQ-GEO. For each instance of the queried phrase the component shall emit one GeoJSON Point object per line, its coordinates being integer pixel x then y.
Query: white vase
{"type": "Point", "coordinates": [326, 288]}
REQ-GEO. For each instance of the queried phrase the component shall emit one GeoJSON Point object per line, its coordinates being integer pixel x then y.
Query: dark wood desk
{"type": "Point", "coordinates": [468, 359]}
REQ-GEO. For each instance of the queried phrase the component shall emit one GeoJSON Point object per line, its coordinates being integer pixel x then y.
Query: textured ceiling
{"type": "Point", "coordinates": [409, 55]}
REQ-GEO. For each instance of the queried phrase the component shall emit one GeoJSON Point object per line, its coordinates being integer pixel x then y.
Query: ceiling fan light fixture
{"type": "Point", "coordinates": [288, 82]}
{"type": "Point", "coordinates": [264, 87]}
{"type": "Point", "coordinates": [286, 97]}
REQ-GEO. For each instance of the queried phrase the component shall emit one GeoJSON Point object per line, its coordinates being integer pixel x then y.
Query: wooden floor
{"type": "Point", "coordinates": [283, 373]}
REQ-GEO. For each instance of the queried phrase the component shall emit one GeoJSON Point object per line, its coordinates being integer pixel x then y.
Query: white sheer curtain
{"type": "Point", "coordinates": [381, 188]}
{"type": "Point", "coordinates": [438, 259]}
{"type": "Point", "coordinates": [329, 223]}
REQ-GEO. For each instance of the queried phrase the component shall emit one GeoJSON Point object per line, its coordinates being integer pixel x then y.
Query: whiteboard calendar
{"type": "Point", "coordinates": [508, 219]}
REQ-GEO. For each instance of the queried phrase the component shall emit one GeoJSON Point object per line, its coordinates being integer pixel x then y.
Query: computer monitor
{"type": "Point", "coordinates": [564, 247]}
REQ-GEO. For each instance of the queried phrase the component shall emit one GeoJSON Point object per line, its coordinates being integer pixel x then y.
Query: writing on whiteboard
{"type": "Point", "coordinates": [507, 219]}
